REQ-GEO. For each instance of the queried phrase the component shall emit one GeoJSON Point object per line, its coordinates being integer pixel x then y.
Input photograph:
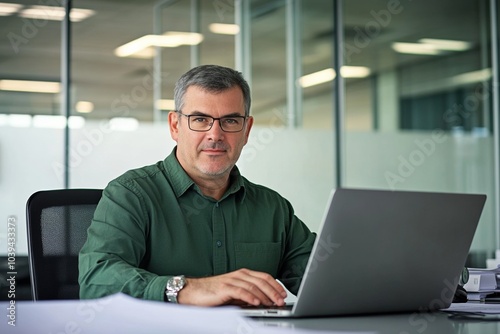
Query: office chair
{"type": "Point", "coordinates": [57, 222]}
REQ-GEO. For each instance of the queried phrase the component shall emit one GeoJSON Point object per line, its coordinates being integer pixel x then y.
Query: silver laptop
{"type": "Point", "coordinates": [385, 251]}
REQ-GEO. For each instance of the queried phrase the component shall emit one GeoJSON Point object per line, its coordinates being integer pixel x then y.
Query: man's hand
{"type": "Point", "coordinates": [239, 287]}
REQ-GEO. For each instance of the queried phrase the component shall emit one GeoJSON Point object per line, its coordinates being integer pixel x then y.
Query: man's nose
{"type": "Point", "coordinates": [216, 132]}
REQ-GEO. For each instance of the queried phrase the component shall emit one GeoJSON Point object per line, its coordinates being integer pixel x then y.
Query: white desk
{"type": "Point", "coordinates": [123, 314]}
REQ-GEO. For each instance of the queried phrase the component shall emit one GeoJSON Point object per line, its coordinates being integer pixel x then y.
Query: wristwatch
{"type": "Point", "coordinates": [174, 285]}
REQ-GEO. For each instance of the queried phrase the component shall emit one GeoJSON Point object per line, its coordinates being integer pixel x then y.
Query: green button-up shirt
{"type": "Point", "coordinates": [154, 222]}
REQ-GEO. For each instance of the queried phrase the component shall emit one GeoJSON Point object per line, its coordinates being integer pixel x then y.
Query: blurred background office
{"type": "Point", "coordinates": [380, 94]}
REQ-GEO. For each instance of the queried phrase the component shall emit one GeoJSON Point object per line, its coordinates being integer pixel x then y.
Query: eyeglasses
{"type": "Point", "coordinates": [202, 123]}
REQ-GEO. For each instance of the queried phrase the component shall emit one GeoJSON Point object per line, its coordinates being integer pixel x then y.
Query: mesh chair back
{"type": "Point", "coordinates": [57, 229]}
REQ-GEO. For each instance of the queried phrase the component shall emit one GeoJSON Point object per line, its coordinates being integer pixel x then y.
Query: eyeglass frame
{"type": "Point", "coordinates": [213, 121]}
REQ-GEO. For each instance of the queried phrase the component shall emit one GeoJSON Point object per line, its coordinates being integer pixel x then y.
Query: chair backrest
{"type": "Point", "coordinates": [57, 222]}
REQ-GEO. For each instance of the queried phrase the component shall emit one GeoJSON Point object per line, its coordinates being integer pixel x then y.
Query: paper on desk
{"type": "Point", "coordinates": [123, 314]}
{"type": "Point", "coordinates": [474, 307]}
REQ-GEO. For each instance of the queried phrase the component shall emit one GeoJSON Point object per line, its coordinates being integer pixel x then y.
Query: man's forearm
{"type": "Point", "coordinates": [99, 278]}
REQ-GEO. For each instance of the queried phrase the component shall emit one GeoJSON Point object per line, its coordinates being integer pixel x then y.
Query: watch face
{"type": "Point", "coordinates": [176, 283]}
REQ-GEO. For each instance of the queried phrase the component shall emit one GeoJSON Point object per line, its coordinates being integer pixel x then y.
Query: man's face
{"type": "Point", "coordinates": [211, 154]}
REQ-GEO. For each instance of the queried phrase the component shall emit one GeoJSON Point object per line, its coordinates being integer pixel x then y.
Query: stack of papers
{"type": "Point", "coordinates": [122, 314]}
{"type": "Point", "coordinates": [482, 282]}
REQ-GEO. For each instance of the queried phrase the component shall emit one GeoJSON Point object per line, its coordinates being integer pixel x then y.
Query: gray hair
{"type": "Point", "coordinates": [212, 78]}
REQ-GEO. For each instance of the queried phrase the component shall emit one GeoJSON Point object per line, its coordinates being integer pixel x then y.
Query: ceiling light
{"type": "Point", "coordinates": [416, 48]}
{"type": "Point", "coordinates": [472, 77]}
{"type": "Point", "coordinates": [446, 44]}
{"type": "Point", "coordinates": [329, 74]}
{"type": "Point", "coordinates": [317, 78]}
{"type": "Point", "coordinates": [55, 13]}
{"type": "Point", "coordinates": [165, 104]}
{"type": "Point", "coordinates": [224, 29]}
{"type": "Point", "coordinates": [135, 46]}
{"type": "Point", "coordinates": [84, 107]}
{"type": "Point", "coordinates": [146, 53]}
{"type": "Point", "coordinates": [170, 39]}
{"type": "Point", "coordinates": [354, 71]}
{"type": "Point", "coordinates": [7, 9]}
{"type": "Point", "coordinates": [30, 86]}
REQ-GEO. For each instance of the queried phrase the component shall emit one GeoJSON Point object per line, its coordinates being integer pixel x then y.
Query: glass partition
{"type": "Point", "coordinates": [269, 62]}
{"type": "Point", "coordinates": [114, 85]}
{"type": "Point", "coordinates": [422, 118]}
{"type": "Point", "coordinates": [291, 147]}
{"type": "Point", "coordinates": [317, 46]}
{"type": "Point", "coordinates": [31, 125]}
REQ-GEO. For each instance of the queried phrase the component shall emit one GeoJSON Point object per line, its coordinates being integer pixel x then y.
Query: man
{"type": "Point", "coordinates": [190, 229]}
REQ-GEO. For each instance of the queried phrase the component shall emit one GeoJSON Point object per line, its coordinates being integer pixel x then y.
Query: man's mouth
{"type": "Point", "coordinates": [214, 149]}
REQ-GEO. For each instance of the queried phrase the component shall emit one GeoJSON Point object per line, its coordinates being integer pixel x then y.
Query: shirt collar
{"type": "Point", "coordinates": [177, 177]}
{"type": "Point", "coordinates": [181, 182]}
{"type": "Point", "coordinates": [236, 185]}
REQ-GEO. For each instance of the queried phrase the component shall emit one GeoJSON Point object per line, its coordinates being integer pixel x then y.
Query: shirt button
{"type": "Point", "coordinates": [219, 243]}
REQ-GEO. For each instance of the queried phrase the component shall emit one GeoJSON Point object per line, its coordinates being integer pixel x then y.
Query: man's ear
{"type": "Point", "coordinates": [248, 127]}
{"type": "Point", "coordinates": [173, 122]}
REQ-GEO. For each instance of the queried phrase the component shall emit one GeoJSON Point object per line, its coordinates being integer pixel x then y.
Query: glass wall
{"type": "Point", "coordinates": [31, 136]}
{"type": "Point", "coordinates": [291, 147]}
{"type": "Point", "coordinates": [422, 119]}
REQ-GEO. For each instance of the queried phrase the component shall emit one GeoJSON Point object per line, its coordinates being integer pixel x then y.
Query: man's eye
{"type": "Point", "coordinates": [231, 121]}
{"type": "Point", "coordinates": [199, 119]}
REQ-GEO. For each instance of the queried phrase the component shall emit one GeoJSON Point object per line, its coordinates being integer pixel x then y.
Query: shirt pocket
{"type": "Point", "coordinates": [259, 256]}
